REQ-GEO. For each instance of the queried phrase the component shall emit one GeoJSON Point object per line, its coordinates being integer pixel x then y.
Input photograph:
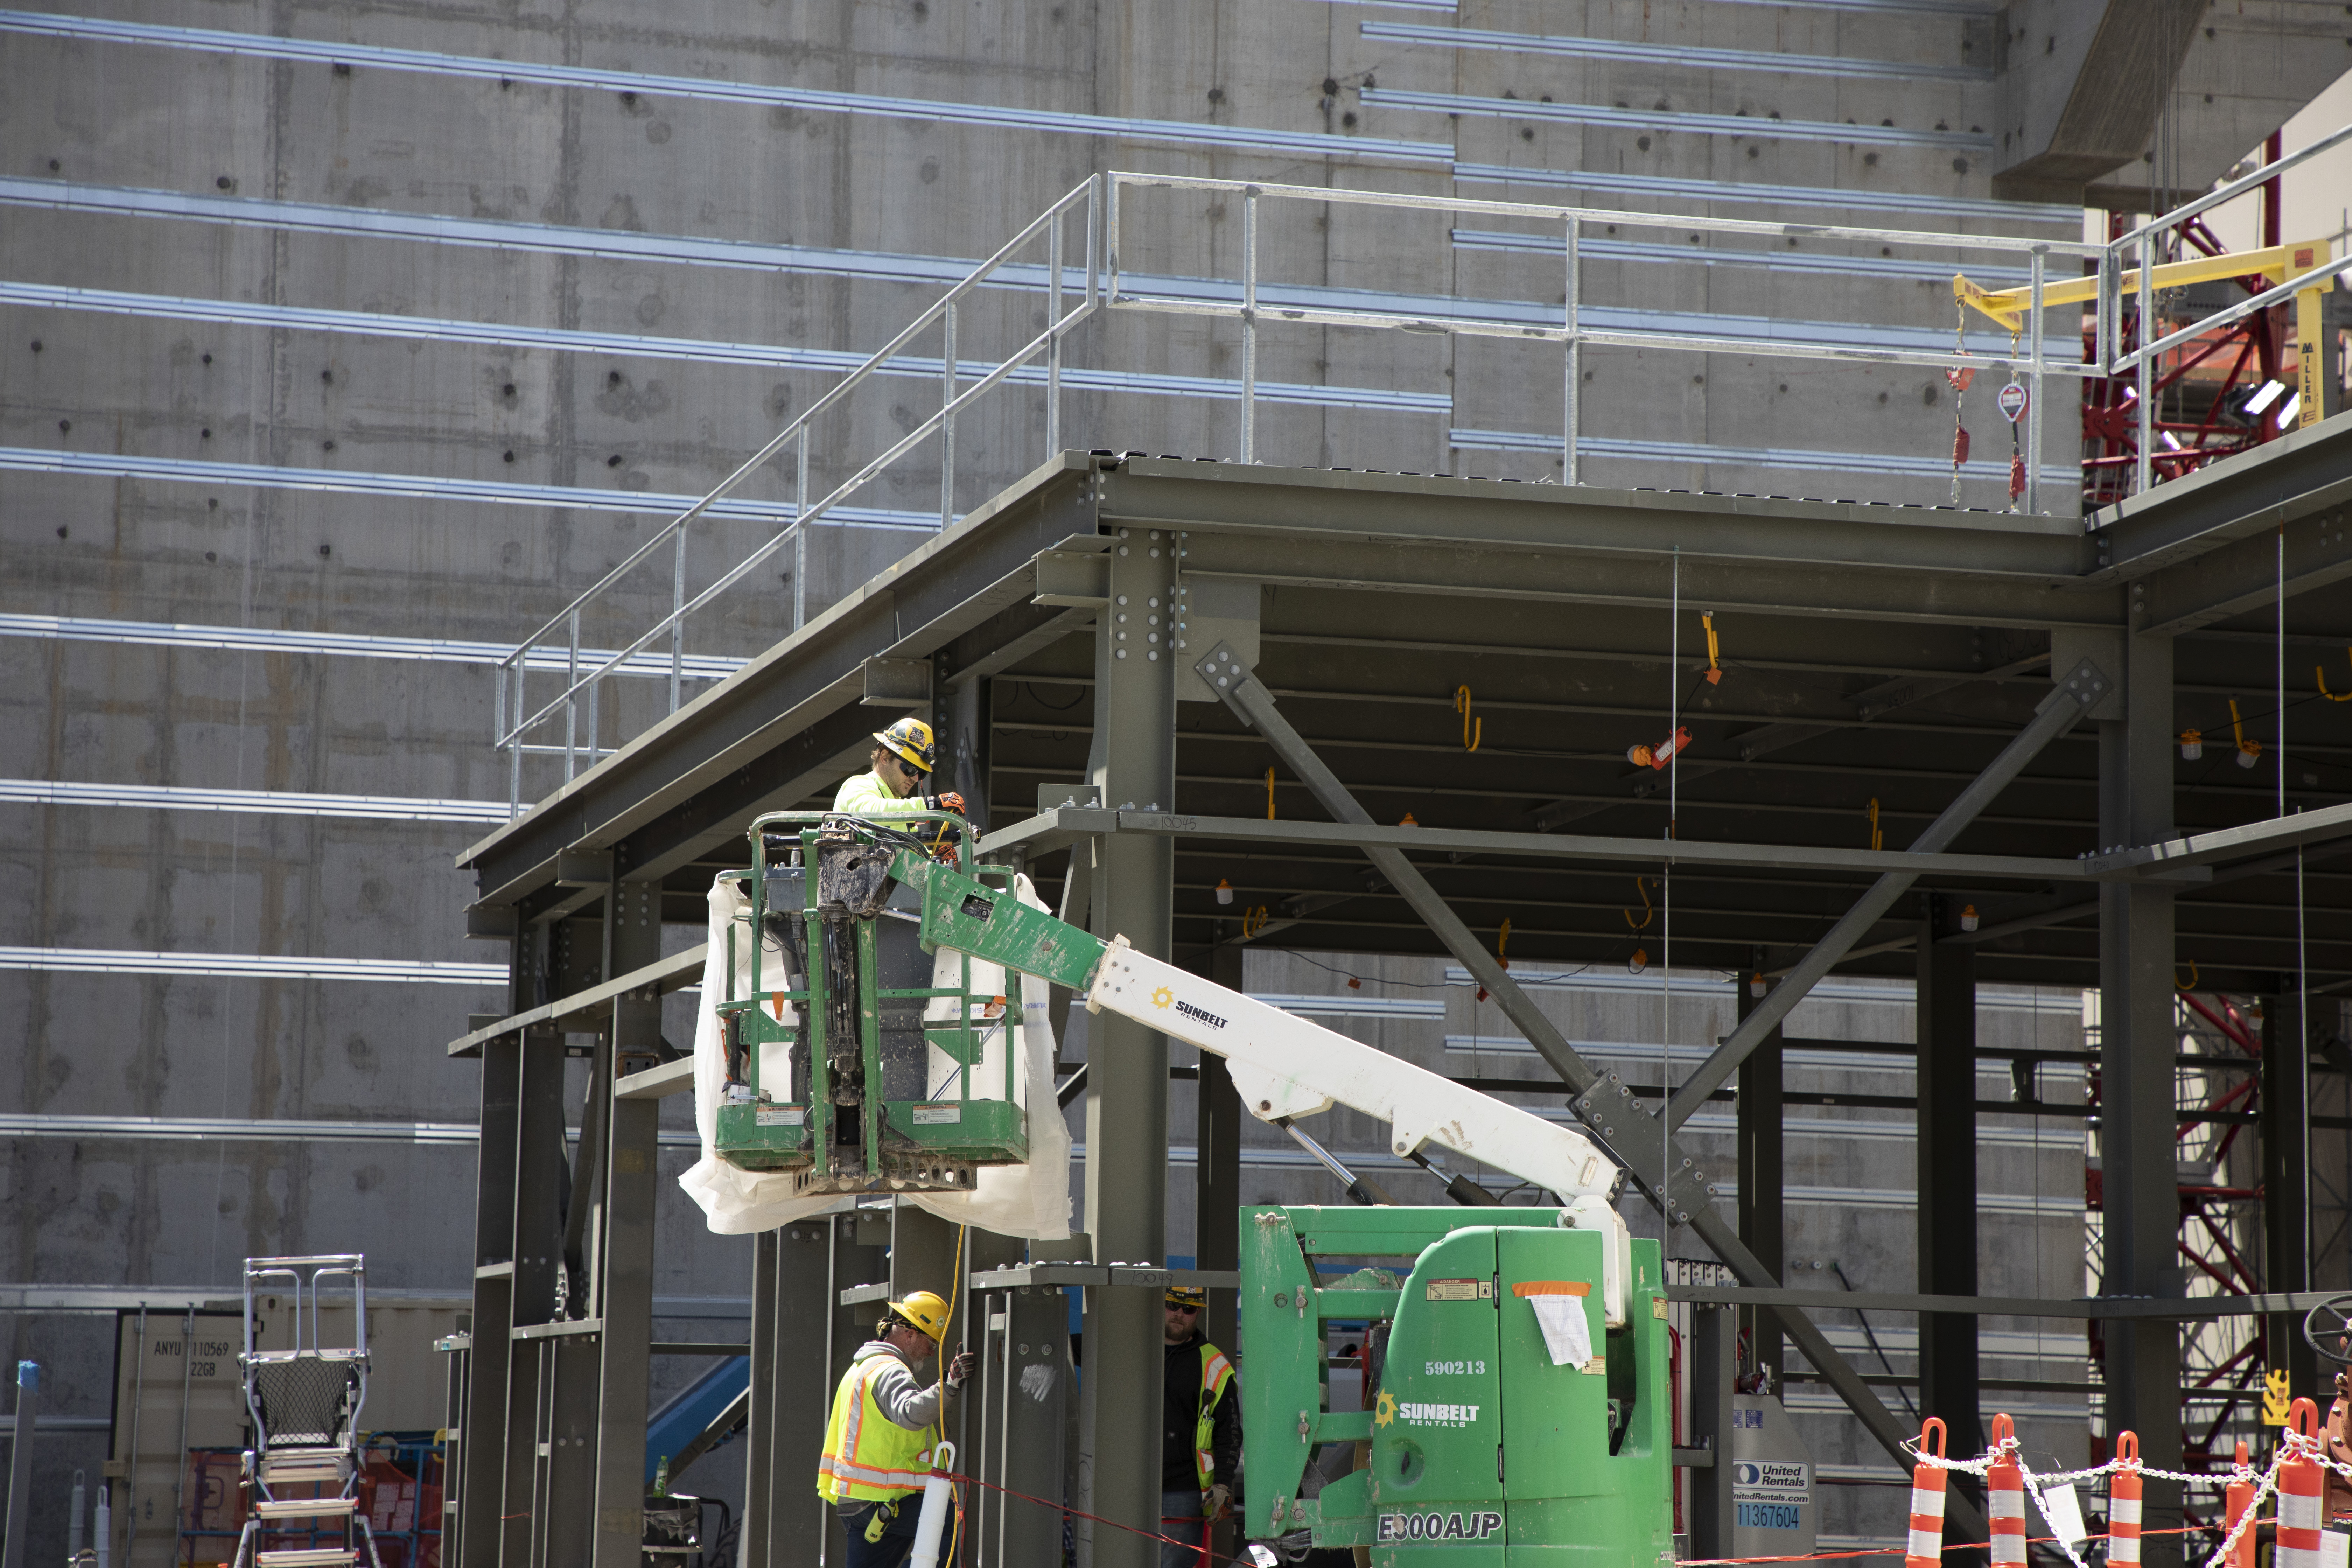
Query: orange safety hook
{"type": "Point", "coordinates": [1473, 730]}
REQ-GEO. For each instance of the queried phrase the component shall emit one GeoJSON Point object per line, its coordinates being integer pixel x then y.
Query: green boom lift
{"type": "Point", "coordinates": [1515, 1392]}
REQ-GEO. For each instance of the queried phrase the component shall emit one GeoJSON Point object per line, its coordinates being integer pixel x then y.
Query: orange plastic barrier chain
{"type": "Point", "coordinates": [1926, 1549]}
{"type": "Point", "coordinates": [2124, 1489]}
{"type": "Point", "coordinates": [2005, 1496]}
{"type": "Point", "coordinates": [2303, 1488]}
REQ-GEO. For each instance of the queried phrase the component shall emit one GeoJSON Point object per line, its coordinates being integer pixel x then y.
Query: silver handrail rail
{"type": "Point", "coordinates": [512, 722]}
{"type": "Point", "coordinates": [1248, 298]}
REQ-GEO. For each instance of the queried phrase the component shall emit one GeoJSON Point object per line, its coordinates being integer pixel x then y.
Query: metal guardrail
{"type": "Point", "coordinates": [2142, 361]}
{"type": "Point", "coordinates": [515, 720]}
{"type": "Point", "coordinates": [1248, 299]}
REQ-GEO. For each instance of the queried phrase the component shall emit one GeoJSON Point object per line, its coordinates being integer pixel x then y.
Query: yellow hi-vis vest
{"type": "Point", "coordinates": [1216, 1373]}
{"type": "Point", "coordinates": [867, 1455]}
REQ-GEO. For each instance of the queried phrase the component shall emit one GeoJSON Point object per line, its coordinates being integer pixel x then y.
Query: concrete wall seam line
{"type": "Point", "coordinates": [1183, 133]}
{"type": "Point", "coordinates": [320, 217]}
{"type": "Point", "coordinates": [692, 350]}
{"type": "Point", "coordinates": [254, 966]}
{"type": "Point", "coordinates": [267, 1129]}
{"type": "Point", "coordinates": [1781, 261]}
{"type": "Point", "coordinates": [261, 801]}
{"type": "Point", "coordinates": [1930, 7]}
{"type": "Point", "coordinates": [1664, 54]}
{"type": "Point", "coordinates": [1752, 128]}
{"type": "Point", "coordinates": [358, 644]}
{"type": "Point", "coordinates": [1804, 197]}
{"type": "Point", "coordinates": [1751, 457]}
{"type": "Point", "coordinates": [410, 487]}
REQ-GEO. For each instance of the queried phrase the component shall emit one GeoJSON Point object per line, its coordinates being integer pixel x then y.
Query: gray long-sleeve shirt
{"type": "Point", "coordinates": [896, 1393]}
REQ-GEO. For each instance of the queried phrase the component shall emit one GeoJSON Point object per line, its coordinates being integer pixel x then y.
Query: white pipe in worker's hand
{"type": "Point", "coordinates": [939, 1496]}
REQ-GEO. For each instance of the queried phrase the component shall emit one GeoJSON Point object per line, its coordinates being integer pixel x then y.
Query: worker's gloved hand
{"type": "Point", "coordinates": [949, 801]}
{"type": "Point", "coordinates": [1220, 1500]}
{"type": "Point", "coordinates": [959, 1369]}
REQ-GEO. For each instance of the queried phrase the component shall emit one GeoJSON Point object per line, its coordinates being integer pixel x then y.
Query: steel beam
{"type": "Point", "coordinates": [2323, 825]}
{"type": "Point", "coordinates": [2081, 1309]}
{"type": "Point", "coordinates": [2244, 575]}
{"type": "Point", "coordinates": [2068, 700]}
{"type": "Point", "coordinates": [1051, 829]}
{"type": "Point", "coordinates": [1672, 1179]}
{"type": "Point", "coordinates": [2139, 1177]}
{"type": "Point", "coordinates": [1127, 1080]}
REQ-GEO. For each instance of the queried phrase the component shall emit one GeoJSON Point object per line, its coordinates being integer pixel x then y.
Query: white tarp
{"type": "Point", "coordinates": [1030, 1200]}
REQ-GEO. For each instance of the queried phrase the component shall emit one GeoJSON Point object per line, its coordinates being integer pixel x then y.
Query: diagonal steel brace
{"type": "Point", "coordinates": [2068, 700]}
{"type": "Point", "coordinates": [1670, 1177]}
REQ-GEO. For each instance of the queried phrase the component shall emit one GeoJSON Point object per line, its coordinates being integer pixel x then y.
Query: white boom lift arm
{"type": "Point", "coordinates": [1284, 1066]}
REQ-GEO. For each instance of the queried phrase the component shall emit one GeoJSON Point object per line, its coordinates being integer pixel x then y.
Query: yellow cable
{"type": "Point", "coordinates": [2238, 728]}
{"type": "Point", "coordinates": [1472, 731]}
{"type": "Point", "coordinates": [1269, 794]}
{"type": "Point", "coordinates": [2177, 985]}
{"type": "Point", "coordinates": [1647, 908]}
{"type": "Point", "coordinates": [1502, 940]}
{"type": "Point", "coordinates": [2322, 676]}
{"type": "Point", "coordinates": [1876, 838]}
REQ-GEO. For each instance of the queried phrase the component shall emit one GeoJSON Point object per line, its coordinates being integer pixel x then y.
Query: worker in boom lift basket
{"type": "Point", "coordinates": [878, 1444]}
{"type": "Point", "coordinates": [900, 777]}
{"type": "Point", "coordinates": [1201, 1445]}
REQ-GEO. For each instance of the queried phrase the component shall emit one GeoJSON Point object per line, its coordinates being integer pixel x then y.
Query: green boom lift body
{"type": "Point", "coordinates": [1485, 1440]}
{"type": "Point", "coordinates": [1475, 1447]}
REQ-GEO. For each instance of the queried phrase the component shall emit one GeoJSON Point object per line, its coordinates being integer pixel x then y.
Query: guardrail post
{"type": "Point", "coordinates": [1249, 325]}
{"type": "Point", "coordinates": [514, 741]}
{"type": "Point", "coordinates": [799, 537]}
{"type": "Point", "coordinates": [2146, 479]}
{"type": "Point", "coordinates": [1053, 343]}
{"type": "Point", "coordinates": [676, 618]}
{"type": "Point", "coordinates": [947, 421]}
{"type": "Point", "coordinates": [2034, 407]}
{"type": "Point", "coordinates": [571, 700]}
{"type": "Point", "coordinates": [1573, 356]}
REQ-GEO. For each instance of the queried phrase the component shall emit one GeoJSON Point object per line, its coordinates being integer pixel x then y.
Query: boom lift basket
{"type": "Point", "coordinates": [860, 1055]}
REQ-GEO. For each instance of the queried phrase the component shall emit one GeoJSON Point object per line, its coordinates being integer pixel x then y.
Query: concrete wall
{"type": "Point", "coordinates": [318, 408]}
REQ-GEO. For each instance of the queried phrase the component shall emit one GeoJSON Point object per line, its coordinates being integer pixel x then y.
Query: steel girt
{"type": "Point", "coordinates": [2242, 574]}
{"type": "Point", "coordinates": [1058, 825]}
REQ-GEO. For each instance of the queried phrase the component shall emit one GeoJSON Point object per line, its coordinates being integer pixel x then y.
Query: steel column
{"type": "Point", "coordinates": [1947, 1171]}
{"type": "Point", "coordinates": [482, 1445]}
{"type": "Point", "coordinates": [1217, 1176]}
{"type": "Point", "coordinates": [1714, 1338]}
{"type": "Point", "coordinates": [762, 1426]}
{"type": "Point", "coordinates": [2286, 1181]}
{"type": "Point", "coordinates": [1762, 1157]}
{"type": "Point", "coordinates": [624, 1300]}
{"type": "Point", "coordinates": [2139, 1177]}
{"type": "Point", "coordinates": [2069, 698]}
{"type": "Point", "coordinates": [1127, 1099]}
{"type": "Point", "coordinates": [797, 1392]}
{"type": "Point", "coordinates": [537, 1241]}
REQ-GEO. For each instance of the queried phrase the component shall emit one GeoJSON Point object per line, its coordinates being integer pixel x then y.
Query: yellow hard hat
{"type": "Point", "coordinates": [925, 1311]}
{"type": "Point", "coordinates": [910, 739]}
{"type": "Point", "coordinates": [1187, 1296]}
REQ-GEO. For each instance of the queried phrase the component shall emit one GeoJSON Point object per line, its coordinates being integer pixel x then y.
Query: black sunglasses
{"type": "Point", "coordinates": [1184, 1307]}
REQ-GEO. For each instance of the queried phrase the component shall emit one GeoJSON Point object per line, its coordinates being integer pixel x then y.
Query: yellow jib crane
{"type": "Point", "coordinates": [2278, 263]}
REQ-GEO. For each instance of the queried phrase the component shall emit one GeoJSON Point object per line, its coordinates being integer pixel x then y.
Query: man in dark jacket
{"type": "Point", "coordinates": [1200, 1444]}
